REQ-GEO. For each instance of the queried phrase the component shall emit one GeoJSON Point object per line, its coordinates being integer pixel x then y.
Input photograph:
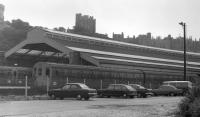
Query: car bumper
{"type": "Point", "coordinates": [92, 94]}
{"type": "Point", "coordinates": [132, 94]}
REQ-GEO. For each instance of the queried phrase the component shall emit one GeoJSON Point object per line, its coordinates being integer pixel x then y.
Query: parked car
{"type": "Point", "coordinates": [117, 90]}
{"type": "Point", "coordinates": [73, 90]}
{"type": "Point", "coordinates": [186, 86]}
{"type": "Point", "coordinates": [167, 90]}
{"type": "Point", "coordinates": [141, 91]}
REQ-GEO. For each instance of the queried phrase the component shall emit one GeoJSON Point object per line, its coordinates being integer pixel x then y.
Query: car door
{"type": "Point", "coordinates": [164, 90]}
{"type": "Point", "coordinates": [65, 91]}
{"type": "Point", "coordinates": [117, 91]}
{"type": "Point", "coordinates": [124, 90]}
{"type": "Point", "coordinates": [110, 90]}
{"type": "Point", "coordinates": [75, 90]}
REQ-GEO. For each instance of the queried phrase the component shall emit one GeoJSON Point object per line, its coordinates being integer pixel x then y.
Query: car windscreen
{"type": "Point", "coordinates": [84, 86]}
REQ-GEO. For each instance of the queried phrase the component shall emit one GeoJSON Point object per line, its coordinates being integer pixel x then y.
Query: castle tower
{"type": "Point", "coordinates": [2, 7]}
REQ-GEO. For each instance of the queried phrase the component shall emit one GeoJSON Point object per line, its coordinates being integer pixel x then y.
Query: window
{"type": "Point", "coordinates": [124, 88]}
{"type": "Point", "coordinates": [15, 74]}
{"type": "Point", "coordinates": [56, 72]}
{"type": "Point", "coordinates": [118, 87]}
{"type": "Point", "coordinates": [34, 71]}
{"type": "Point", "coordinates": [47, 72]}
{"type": "Point", "coordinates": [39, 71]}
{"type": "Point", "coordinates": [75, 87]}
{"type": "Point", "coordinates": [66, 87]}
{"type": "Point", "coordinates": [111, 87]}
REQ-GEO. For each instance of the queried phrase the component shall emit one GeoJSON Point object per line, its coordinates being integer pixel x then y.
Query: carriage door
{"type": "Point", "coordinates": [14, 77]}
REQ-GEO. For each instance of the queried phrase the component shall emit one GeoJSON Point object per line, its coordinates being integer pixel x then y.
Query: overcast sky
{"type": "Point", "coordinates": [133, 17]}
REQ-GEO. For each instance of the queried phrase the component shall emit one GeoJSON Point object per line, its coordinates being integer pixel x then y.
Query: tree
{"type": "Point", "coordinates": [14, 33]}
{"type": "Point", "coordinates": [61, 29]}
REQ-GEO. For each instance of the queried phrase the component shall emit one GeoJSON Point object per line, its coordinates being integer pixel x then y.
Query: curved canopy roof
{"type": "Point", "coordinates": [39, 43]}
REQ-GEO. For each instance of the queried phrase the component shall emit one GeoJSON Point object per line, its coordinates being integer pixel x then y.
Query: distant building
{"type": "Point", "coordinates": [149, 35]}
{"type": "Point", "coordinates": [86, 25]}
{"type": "Point", "coordinates": [118, 36]}
{"type": "Point", "coordinates": [2, 12]}
{"type": "Point", "coordinates": [2, 23]}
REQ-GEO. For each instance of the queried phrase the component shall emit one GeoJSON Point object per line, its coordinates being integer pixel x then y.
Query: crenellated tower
{"type": "Point", "coordinates": [2, 8]}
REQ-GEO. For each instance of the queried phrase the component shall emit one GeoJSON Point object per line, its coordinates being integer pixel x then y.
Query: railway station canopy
{"type": "Point", "coordinates": [48, 45]}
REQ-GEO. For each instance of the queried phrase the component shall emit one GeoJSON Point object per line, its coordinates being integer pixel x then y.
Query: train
{"type": "Point", "coordinates": [47, 75]}
{"type": "Point", "coordinates": [55, 75]}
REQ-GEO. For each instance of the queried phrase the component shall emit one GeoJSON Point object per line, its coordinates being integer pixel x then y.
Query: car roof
{"type": "Point", "coordinates": [120, 84]}
{"type": "Point", "coordinates": [74, 83]}
{"type": "Point", "coordinates": [135, 84]}
{"type": "Point", "coordinates": [169, 86]}
{"type": "Point", "coordinates": [176, 81]}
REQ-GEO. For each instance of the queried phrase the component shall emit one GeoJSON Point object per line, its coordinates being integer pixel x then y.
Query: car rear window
{"type": "Point", "coordinates": [129, 88]}
{"type": "Point", "coordinates": [84, 86]}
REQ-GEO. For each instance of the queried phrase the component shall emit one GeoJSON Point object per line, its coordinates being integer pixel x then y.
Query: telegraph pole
{"type": "Point", "coordinates": [184, 34]}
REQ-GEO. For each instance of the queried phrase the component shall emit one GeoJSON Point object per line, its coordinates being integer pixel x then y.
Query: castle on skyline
{"type": "Point", "coordinates": [2, 23]}
{"type": "Point", "coordinates": [2, 8]}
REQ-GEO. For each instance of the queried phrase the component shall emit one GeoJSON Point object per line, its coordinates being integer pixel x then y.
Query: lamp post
{"type": "Point", "coordinates": [184, 33]}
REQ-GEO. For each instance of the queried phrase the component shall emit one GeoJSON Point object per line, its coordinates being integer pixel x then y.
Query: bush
{"type": "Point", "coordinates": [190, 105]}
{"type": "Point", "coordinates": [194, 108]}
{"type": "Point", "coordinates": [184, 107]}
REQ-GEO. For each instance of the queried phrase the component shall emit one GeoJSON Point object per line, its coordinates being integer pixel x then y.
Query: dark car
{"type": "Point", "coordinates": [141, 91]}
{"type": "Point", "coordinates": [117, 90]}
{"type": "Point", "coordinates": [167, 90]}
{"type": "Point", "coordinates": [72, 90]}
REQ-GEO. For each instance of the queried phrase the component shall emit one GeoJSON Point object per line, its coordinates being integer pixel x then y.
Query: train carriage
{"type": "Point", "coordinates": [12, 79]}
{"type": "Point", "coordinates": [55, 75]}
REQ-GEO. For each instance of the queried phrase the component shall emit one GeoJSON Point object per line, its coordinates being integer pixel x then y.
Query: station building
{"type": "Point", "coordinates": [60, 47]}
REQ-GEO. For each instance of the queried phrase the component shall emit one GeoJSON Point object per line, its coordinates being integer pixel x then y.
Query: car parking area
{"type": "Point", "coordinates": [95, 107]}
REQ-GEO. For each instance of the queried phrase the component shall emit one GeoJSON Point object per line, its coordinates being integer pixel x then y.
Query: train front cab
{"type": "Point", "coordinates": [41, 74]}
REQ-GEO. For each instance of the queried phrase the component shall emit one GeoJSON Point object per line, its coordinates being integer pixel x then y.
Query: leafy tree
{"type": "Point", "coordinates": [61, 29]}
{"type": "Point", "coordinates": [13, 34]}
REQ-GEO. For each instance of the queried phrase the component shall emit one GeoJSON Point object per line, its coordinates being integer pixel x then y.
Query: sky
{"type": "Point", "coordinates": [133, 17]}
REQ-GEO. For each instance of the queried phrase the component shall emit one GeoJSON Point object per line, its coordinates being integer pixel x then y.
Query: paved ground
{"type": "Point", "coordinates": [96, 107]}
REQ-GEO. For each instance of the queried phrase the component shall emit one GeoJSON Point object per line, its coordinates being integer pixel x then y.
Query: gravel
{"type": "Point", "coordinates": [96, 107]}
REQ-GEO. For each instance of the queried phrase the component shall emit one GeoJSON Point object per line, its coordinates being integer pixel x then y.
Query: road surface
{"type": "Point", "coordinates": [95, 107]}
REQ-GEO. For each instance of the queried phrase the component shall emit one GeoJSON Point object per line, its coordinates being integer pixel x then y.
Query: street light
{"type": "Point", "coordinates": [184, 33]}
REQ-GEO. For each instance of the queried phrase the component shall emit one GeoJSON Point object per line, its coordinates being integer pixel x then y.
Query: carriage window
{"type": "Point", "coordinates": [40, 71]}
{"type": "Point", "coordinates": [34, 71]}
{"type": "Point", "coordinates": [48, 72]}
{"type": "Point", "coordinates": [15, 74]}
{"type": "Point", "coordinates": [56, 72]}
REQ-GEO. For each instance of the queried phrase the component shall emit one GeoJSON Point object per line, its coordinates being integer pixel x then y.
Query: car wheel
{"type": "Point", "coordinates": [125, 95]}
{"type": "Point", "coordinates": [139, 95]}
{"type": "Point", "coordinates": [101, 95]}
{"type": "Point", "coordinates": [53, 97]}
{"type": "Point", "coordinates": [144, 96]}
{"type": "Point", "coordinates": [171, 94]}
{"type": "Point", "coordinates": [86, 98]}
{"type": "Point", "coordinates": [131, 96]}
{"type": "Point", "coordinates": [61, 98]}
{"type": "Point", "coordinates": [78, 97]}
